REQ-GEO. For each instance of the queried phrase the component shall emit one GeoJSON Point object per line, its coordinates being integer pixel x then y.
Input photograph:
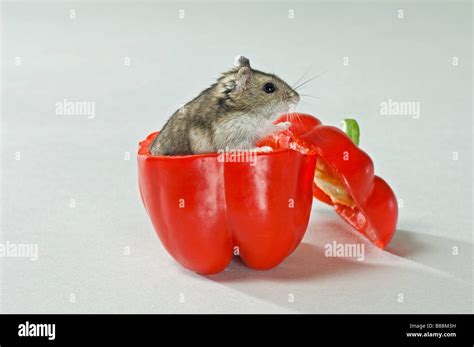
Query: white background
{"type": "Point", "coordinates": [83, 250]}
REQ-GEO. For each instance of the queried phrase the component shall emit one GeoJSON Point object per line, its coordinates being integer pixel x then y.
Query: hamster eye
{"type": "Point", "coordinates": [269, 88]}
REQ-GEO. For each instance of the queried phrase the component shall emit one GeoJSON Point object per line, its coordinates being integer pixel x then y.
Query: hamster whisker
{"type": "Point", "coordinates": [302, 84]}
{"type": "Point", "coordinates": [309, 80]}
{"type": "Point", "coordinates": [301, 77]}
{"type": "Point", "coordinates": [307, 103]}
{"type": "Point", "coordinates": [309, 96]}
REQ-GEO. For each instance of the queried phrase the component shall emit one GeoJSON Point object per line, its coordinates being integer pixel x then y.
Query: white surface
{"type": "Point", "coordinates": [82, 249]}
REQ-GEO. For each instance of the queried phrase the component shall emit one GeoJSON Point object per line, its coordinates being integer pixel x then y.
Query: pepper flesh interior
{"type": "Point", "coordinates": [331, 185]}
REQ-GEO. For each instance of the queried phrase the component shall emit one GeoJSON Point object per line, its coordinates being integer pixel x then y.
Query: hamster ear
{"type": "Point", "coordinates": [241, 61]}
{"type": "Point", "coordinates": [243, 79]}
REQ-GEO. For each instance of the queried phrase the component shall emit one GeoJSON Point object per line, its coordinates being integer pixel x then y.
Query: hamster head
{"type": "Point", "coordinates": [253, 91]}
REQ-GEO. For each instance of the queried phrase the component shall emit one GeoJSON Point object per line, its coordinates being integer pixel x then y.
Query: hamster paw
{"type": "Point", "coordinates": [264, 149]}
{"type": "Point", "coordinates": [283, 126]}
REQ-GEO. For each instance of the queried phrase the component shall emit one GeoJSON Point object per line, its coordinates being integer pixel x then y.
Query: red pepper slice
{"type": "Point", "coordinates": [202, 207]}
{"type": "Point", "coordinates": [344, 177]}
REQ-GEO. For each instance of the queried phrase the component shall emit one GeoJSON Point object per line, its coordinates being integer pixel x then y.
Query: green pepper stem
{"type": "Point", "coordinates": [351, 128]}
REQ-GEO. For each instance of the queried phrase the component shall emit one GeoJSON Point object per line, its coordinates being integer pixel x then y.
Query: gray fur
{"type": "Point", "coordinates": [234, 112]}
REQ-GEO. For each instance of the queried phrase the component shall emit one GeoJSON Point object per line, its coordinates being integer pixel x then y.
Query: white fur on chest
{"type": "Point", "coordinates": [240, 132]}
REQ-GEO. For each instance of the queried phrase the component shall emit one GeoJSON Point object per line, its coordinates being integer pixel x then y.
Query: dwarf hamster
{"type": "Point", "coordinates": [233, 113]}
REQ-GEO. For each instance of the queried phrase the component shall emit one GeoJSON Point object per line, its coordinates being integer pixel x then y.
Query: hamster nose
{"type": "Point", "coordinates": [294, 96]}
{"type": "Point", "coordinates": [291, 96]}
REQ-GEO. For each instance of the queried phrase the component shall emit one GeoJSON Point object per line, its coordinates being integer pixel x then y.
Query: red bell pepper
{"type": "Point", "coordinates": [344, 176]}
{"type": "Point", "coordinates": [205, 210]}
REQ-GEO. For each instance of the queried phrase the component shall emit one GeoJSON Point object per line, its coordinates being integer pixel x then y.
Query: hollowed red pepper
{"type": "Point", "coordinates": [344, 177]}
{"type": "Point", "coordinates": [205, 210]}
